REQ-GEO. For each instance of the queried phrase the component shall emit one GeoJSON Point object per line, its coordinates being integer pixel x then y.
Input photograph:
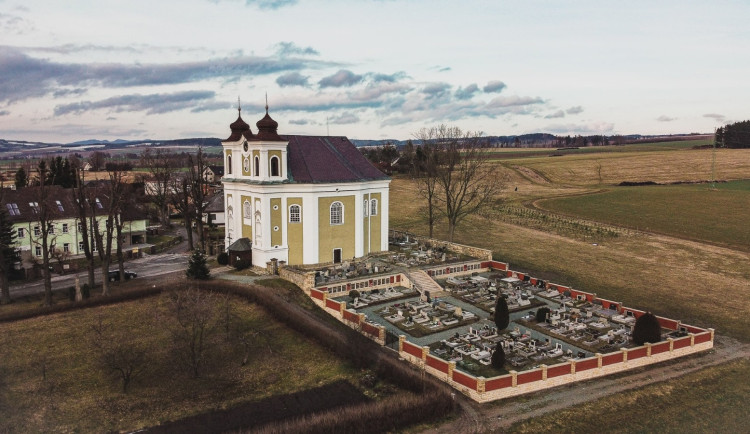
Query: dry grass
{"type": "Point", "coordinates": [711, 400]}
{"type": "Point", "coordinates": [51, 380]}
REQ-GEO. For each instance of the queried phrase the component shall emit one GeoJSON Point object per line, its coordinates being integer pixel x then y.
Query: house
{"type": "Point", "coordinates": [301, 199]}
{"type": "Point", "coordinates": [213, 174]}
{"type": "Point", "coordinates": [214, 211]}
{"type": "Point", "coordinates": [65, 232]}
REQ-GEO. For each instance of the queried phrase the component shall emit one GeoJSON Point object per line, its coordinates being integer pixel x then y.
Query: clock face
{"type": "Point", "coordinates": [244, 146]}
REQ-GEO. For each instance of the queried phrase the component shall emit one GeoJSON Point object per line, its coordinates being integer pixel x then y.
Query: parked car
{"type": "Point", "coordinates": [114, 275]}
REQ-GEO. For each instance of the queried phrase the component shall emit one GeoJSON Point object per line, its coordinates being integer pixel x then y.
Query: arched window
{"type": "Point", "coordinates": [337, 213]}
{"type": "Point", "coordinates": [274, 166]}
{"type": "Point", "coordinates": [229, 164]}
{"type": "Point", "coordinates": [364, 208]}
{"type": "Point", "coordinates": [373, 207]}
{"type": "Point", "coordinates": [257, 166]}
{"type": "Point", "coordinates": [295, 214]}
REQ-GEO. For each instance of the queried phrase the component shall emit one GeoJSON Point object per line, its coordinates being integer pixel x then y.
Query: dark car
{"type": "Point", "coordinates": [114, 276]}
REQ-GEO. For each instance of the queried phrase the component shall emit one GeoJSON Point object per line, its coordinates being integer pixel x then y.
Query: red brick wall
{"type": "Point", "coordinates": [636, 312]}
{"type": "Point", "coordinates": [498, 383]}
{"type": "Point", "coordinates": [703, 337]}
{"type": "Point", "coordinates": [374, 331]}
{"type": "Point", "coordinates": [439, 364]}
{"type": "Point", "coordinates": [693, 329]}
{"type": "Point", "coordinates": [611, 359]}
{"type": "Point", "coordinates": [558, 370]}
{"type": "Point", "coordinates": [607, 303]}
{"type": "Point", "coordinates": [637, 353]}
{"type": "Point", "coordinates": [412, 349]}
{"type": "Point", "coordinates": [668, 323]}
{"type": "Point", "coordinates": [351, 316]}
{"type": "Point", "coordinates": [529, 376]}
{"type": "Point", "coordinates": [661, 347]}
{"type": "Point", "coordinates": [587, 364]}
{"type": "Point", "coordinates": [533, 281]}
{"type": "Point", "coordinates": [332, 304]}
{"type": "Point", "coordinates": [314, 293]}
{"type": "Point", "coordinates": [681, 343]}
{"type": "Point", "coordinates": [465, 380]}
{"type": "Point", "coordinates": [494, 265]}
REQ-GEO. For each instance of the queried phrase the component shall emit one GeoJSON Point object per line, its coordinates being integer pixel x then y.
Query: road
{"type": "Point", "coordinates": [147, 266]}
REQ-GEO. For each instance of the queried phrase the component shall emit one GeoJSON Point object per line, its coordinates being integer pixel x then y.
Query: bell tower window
{"type": "Point", "coordinates": [275, 166]}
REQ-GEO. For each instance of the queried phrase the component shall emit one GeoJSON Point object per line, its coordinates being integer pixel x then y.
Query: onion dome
{"type": "Point", "coordinates": [267, 128]}
{"type": "Point", "coordinates": [239, 128]}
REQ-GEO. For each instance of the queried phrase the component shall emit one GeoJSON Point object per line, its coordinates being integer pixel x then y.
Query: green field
{"type": "Point", "coordinates": [695, 211]}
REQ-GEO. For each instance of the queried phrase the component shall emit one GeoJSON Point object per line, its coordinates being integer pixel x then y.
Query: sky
{"type": "Point", "coordinates": [370, 69]}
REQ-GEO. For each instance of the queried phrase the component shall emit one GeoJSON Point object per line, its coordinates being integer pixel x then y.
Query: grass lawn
{"type": "Point", "coordinates": [692, 211]}
{"type": "Point", "coordinates": [711, 400]}
{"type": "Point", "coordinates": [51, 379]}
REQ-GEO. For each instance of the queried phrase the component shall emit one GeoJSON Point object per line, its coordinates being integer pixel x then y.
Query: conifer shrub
{"type": "Point", "coordinates": [502, 315]}
{"type": "Point", "coordinates": [541, 314]}
{"type": "Point", "coordinates": [222, 258]}
{"type": "Point", "coordinates": [646, 329]}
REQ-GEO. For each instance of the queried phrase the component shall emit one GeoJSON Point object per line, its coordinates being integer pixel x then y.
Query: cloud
{"type": "Point", "coordinates": [23, 77]}
{"type": "Point", "coordinates": [390, 78]}
{"type": "Point", "coordinates": [342, 78]}
{"type": "Point", "coordinates": [292, 79]}
{"type": "Point", "coordinates": [510, 101]}
{"type": "Point", "coordinates": [467, 92]}
{"type": "Point", "coordinates": [574, 110]}
{"type": "Point", "coordinates": [301, 122]}
{"type": "Point", "coordinates": [557, 114]}
{"type": "Point", "coordinates": [346, 118]}
{"type": "Point", "coordinates": [494, 86]}
{"type": "Point", "coordinates": [60, 93]}
{"type": "Point", "coordinates": [436, 90]}
{"type": "Point", "coordinates": [212, 106]}
{"type": "Point", "coordinates": [266, 4]}
{"type": "Point", "coordinates": [665, 118]}
{"type": "Point", "coordinates": [717, 117]}
{"type": "Point", "coordinates": [15, 24]}
{"type": "Point", "coordinates": [290, 49]}
{"type": "Point", "coordinates": [4, 112]}
{"type": "Point", "coordinates": [375, 91]}
{"type": "Point", "coordinates": [151, 104]}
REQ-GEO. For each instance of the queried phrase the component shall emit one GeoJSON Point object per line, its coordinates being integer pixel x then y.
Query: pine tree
{"type": "Point", "coordinates": [22, 179]}
{"type": "Point", "coordinates": [8, 255]}
{"type": "Point", "coordinates": [502, 315]}
{"type": "Point", "coordinates": [498, 357]}
{"type": "Point", "coordinates": [646, 329]}
{"type": "Point", "coordinates": [197, 268]}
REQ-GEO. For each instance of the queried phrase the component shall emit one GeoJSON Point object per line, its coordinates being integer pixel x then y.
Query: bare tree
{"type": "Point", "coordinates": [181, 200]}
{"type": "Point", "coordinates": [109, 205]}
{"type": "Point", "coordinates": [85, 229]}
{"type": "Point", "coordinates": [198, 184]}
{"type": "Point", "coordinates": [44, 232]}
{"type": "Point", "coordinates": [424, 170]}
{"type": "Point", "coordinates": [161, 167]}
{"type": "Point", "coordinates": [61, 256]}
{"type": "Point", "coordinates": [8, 253]}
{"type": "Point", "coordinates": [122, 356]}
{"type": "Point", "coordinates": [467, 182]}
{"type": "Point", "coordinates": [197, 318]}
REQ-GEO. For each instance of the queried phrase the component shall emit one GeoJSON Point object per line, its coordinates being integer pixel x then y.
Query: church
{"type": "Point", "coordinates": [301, 199]}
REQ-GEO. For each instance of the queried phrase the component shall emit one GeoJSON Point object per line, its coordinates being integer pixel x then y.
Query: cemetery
{"type": "Point", "coordinates": [434, 303]}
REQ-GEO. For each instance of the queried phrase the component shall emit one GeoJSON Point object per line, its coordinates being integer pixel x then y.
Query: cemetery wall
{"type": "Point", "coordinates": [474, 252]}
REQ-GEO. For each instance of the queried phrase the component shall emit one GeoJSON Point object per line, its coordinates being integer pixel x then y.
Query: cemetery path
{"type": "Point", "coordinates": [501, 415]}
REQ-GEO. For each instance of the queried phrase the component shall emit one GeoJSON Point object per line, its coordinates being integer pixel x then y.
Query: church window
{"type": "Point", "coordinates": [374, 207]}
{"type": "Point", "coordinates": [229, 164]}
{"type": "Point", "coordinates": [337, 213]}
{"type": "Point", "coordinates": [274, 166]}
{"type": "Point", "coordinates": [295, 214]}
{"type": "Point", "coordinates": [257, 166]}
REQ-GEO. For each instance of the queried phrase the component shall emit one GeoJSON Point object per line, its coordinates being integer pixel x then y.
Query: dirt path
{"type": "Point", "coordinates": [501, 415]}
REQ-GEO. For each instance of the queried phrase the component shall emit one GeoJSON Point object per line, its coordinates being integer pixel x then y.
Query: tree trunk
{"type": "Point", "coordinates": [46, 273]}
{"type": "Point", "coordinates": [5, 288]}
{"type": "Point", "coordinates": [189, 229]}
{"type": "Point", "coordinates": [105, 277]}
{"type": "Point", "coordinates": [201, 234]}
{"type": "Point", "coordinates": [91, 268]}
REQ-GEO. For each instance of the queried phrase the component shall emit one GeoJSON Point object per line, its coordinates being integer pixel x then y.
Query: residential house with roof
{"type": "Point", "coordinates": [65, 235]}
{"type": "Point", "coordinates": [301, 199]}
{"type": "Point", "coordinates": [213, 174]}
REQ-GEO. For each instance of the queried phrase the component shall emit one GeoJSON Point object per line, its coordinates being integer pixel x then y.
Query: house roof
{"type": "Point", "coordinates": [216, 202]}
{"type": "Point", "coordinates": [21, 209]}
{"type": "Point", "coordinates": [217, 170]}
{"type": "Point", "coordinates": [321, 159]}
{"type": "Point", "coordinates": [241, 245]}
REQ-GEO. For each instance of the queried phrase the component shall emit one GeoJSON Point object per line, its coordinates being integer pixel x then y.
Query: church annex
{"type": "Point", "coordinates": [301, 199]}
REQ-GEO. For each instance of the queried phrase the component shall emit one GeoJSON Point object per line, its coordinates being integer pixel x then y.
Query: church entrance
{"type": "Point", "coordinates": [336, 256]}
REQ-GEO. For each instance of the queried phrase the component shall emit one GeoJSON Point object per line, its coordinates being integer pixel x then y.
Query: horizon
{"type": "Point", "coordinates": [382, 70]}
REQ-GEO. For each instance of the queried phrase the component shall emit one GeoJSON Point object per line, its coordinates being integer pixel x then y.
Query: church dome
{"type": "Point", "coordinates": [239, 128]}
{"type": "Point", "coordinates": [267, 128]}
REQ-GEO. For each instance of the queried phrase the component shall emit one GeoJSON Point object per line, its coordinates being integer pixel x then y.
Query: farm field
{"type": "Point", "coordinates": [52, 379]}
{"type": "Point", "coordinates": [694, 211]}
{"type": "Point", "coordinates": [700, 277]}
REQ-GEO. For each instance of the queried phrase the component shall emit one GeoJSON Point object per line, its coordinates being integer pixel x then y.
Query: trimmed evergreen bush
{"type": "Point", "coordinates": [222, 258]}
{"type": "Point", "coordinates": [197, 268]}
{"type": "Point", "coordinates": [502, 315]}
{"type": "Point", "coordinates": [646, 329]}
{"type": "Point", "coordinates": [541, 314]}
{"type": "Point", "coordinates": [498, 357]}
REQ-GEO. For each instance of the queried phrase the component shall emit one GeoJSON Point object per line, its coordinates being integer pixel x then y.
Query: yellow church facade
{"type": "Point", "coordinates": [301, 199]}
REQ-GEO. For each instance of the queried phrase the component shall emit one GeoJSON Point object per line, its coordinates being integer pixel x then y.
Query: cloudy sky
{"type": "Point", "coordinates": [370, 69]}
